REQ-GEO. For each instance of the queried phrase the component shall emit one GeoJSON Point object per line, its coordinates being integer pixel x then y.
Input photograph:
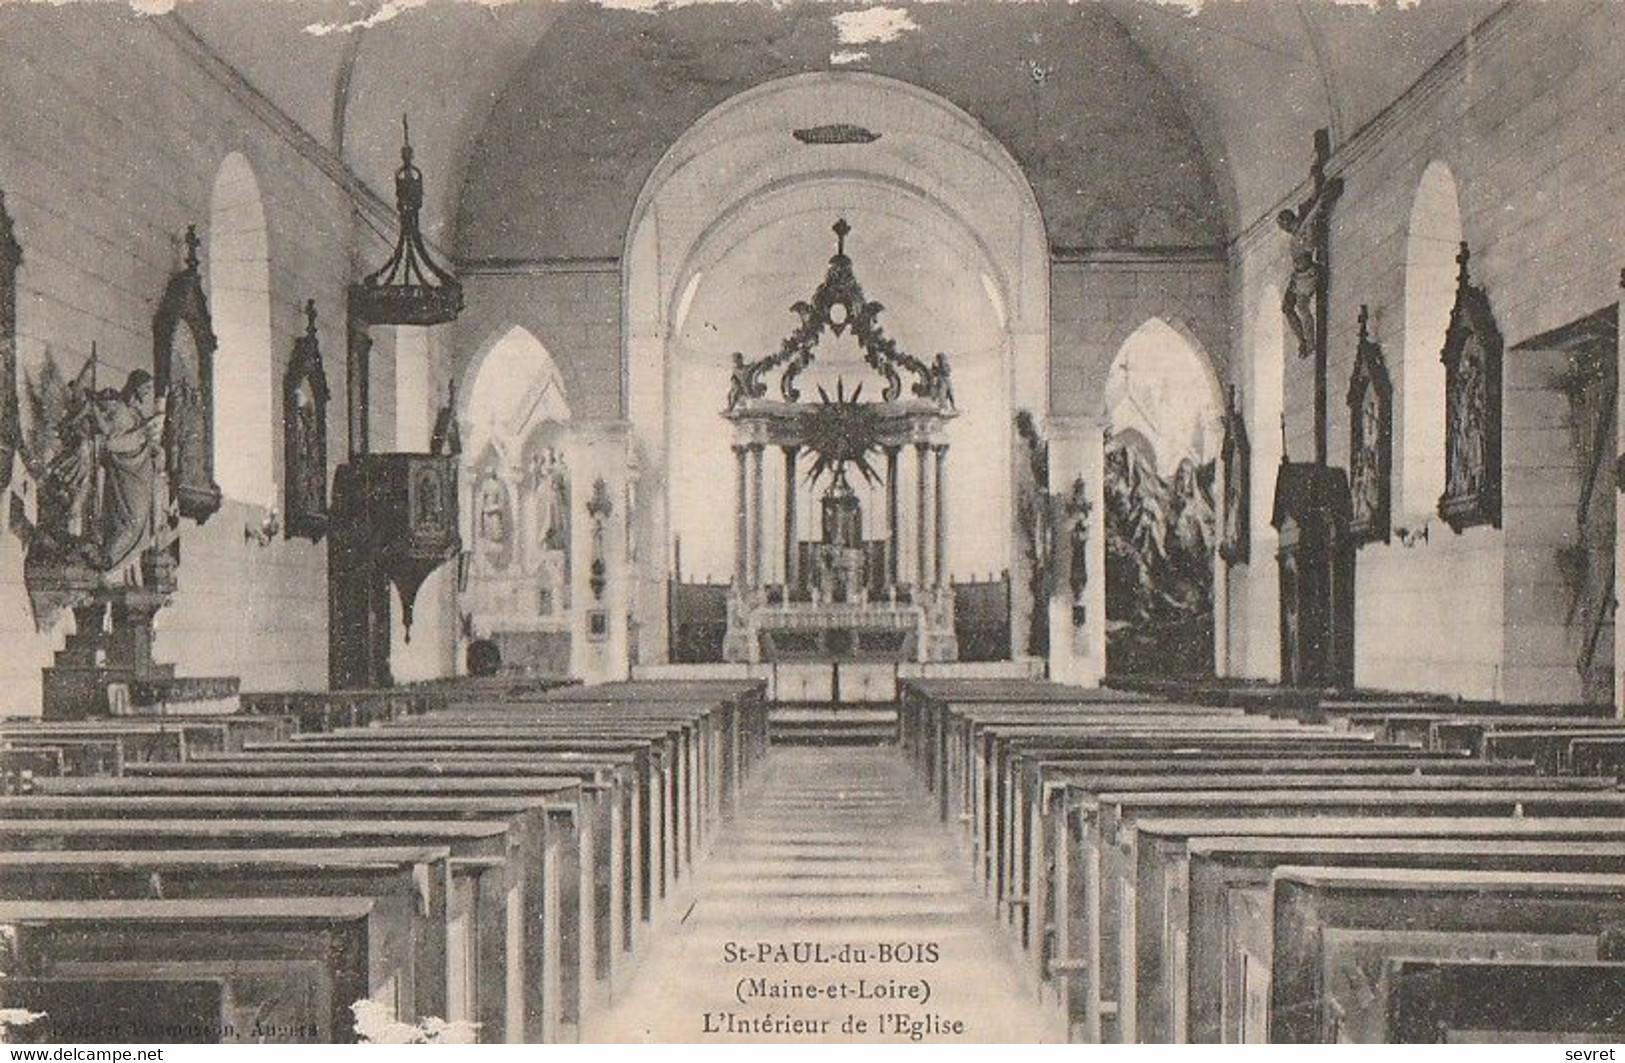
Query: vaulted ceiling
{"type": "Point", "coordinates": [1138, 123]}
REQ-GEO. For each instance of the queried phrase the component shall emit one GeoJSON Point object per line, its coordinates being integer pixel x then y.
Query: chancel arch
{"type": "Point", "coordinates": [1162, 415]}
{"type": "Point", "coordinates": [738, 195]}
{"type": "Point", "coordinates": [516, 503]}
{"type": "Point", "coordinates": [239, 285]}
{"type": "Point", "coordinates": [1432, 242]}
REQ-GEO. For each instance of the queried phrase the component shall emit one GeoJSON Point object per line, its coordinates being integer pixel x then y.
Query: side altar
{"type": "Point", "coordinates": [844, 593]}
{"type": "Point", "coordinates": [116, 470]}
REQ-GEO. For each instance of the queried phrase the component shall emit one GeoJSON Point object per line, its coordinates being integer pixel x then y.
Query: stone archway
{"type": "Point", "coordinates": [1163, 608]}
{"type": "Point", "coordinates": [819, 146]}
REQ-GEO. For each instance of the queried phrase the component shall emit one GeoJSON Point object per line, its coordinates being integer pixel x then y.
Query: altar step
{"type": "Point", "coordinates": [822, 723]}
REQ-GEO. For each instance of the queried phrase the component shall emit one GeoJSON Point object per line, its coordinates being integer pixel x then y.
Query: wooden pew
{"type": "Point", "coordinates": [324, 710]}
{"type": "Point", "coordinates": [667, 759]}
{"type": "Point", "coordinates": [291, 967]}
{"type": "Point", "coordinates": [558, 952]}
{"type": "Point", "coordinates": [1548, 747]}
{"type": "Point", "coordinates": [413, 885]}
{"type": "Point", "coordinates": [74, 755]}
{"type": "Point", "coordinates": [1047, 843]}
{"type": "Point", "coordinates": [1335, 928]}
{"type": "Point", "coordinates": [1099, 824]}
{"type": "Point", "coordinates": [486, 847]}
{"type": "Point", "coordinates": [19, 768]}
{"type": "Point", "coordinates": [1041, 773]}
{"type": "Point", "coordinates": [129, 1011]}
{"type": "Point", "coordinates": [1597, 756]}
{"type": "Point", "coordinates": [672, 798]}
{"type": "Point", "coordinates": [606, 893]}
{"type": "Point", "coordinates": [1185, 946]}
{"type": "Point", "coordinates": [643, 818]}
{"type": "Point", "coordinates": [1497, 1002]}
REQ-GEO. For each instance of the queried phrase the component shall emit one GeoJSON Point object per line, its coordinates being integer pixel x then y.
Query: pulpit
{"type": "Point", "coordinates": [1316, 558]}
{"type": "Point", "coordinates": [394, 516]}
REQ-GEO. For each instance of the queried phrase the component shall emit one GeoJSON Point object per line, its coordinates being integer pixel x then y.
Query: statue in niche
{"type": "Point", "coordinates": [309, 481]}
{"type": "Point", "coordinates": [1370, 400]}
{"type": "Point", "coordinates": [186, 441]}
{"type": "Point", "coordinates": [1307, 225]}
{"type": "Point", "coordinates": [1466, 455]}
{"type": "Point", "coordinates": [1367, 483]}
{"type": "Point", "coordinates": [1236, 460]}
{"type": "Point", "coordinates": [304, 428]}
{"type": "Point", "coordinates": [493, 523]}
{"type": "Point", "coordinates": [493, 511]}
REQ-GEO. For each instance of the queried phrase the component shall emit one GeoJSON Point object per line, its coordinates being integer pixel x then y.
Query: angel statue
{"type": "Point", "coordinates": [743, 383]}
{"type": "Point", "coordinates": [942, 382]}
{"type": "Point", "coordinates": [100, 494]}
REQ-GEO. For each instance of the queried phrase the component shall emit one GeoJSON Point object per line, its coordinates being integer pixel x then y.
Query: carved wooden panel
{"type": "Point", "coordinates": [304, 436]}
{"type": "Point", "coordinates": [11, 257]}
{"type": "Point", "coordinates": [183, 366]}
{"type": "Point", "coordinates": [1235, 545]}
{"type": "Point", "coordinates": [1371, 441]}
{"type": "Point", "coordinates": [1472, 360]}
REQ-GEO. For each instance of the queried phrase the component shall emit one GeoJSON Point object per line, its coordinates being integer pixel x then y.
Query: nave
{"type": "Point", "coordinates": [1025, 861]}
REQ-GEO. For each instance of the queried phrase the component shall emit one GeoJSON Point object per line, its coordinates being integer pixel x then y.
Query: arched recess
{"type": "Point", "coordinates": [737, 172]}
{"type": "Point", "coordinates": [1431, 245]}
{"type": "Point", "coordinates": [516, 503]}
{"type": "Point", "coordinates": [240, 302]}
{"type": "Point", "coordinates": [1161, 519]}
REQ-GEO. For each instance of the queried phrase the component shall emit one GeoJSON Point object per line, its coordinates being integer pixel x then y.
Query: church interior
{"type": "Point", "coordinates": [595, 521]}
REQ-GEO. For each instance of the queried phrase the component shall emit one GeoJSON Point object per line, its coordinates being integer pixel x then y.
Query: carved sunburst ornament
{"type": "Point", "coordinates": [842, 431]}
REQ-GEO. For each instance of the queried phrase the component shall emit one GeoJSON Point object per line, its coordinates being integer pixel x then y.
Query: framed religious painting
{"type": "Point", "coordinates": [1235, 544]}
{"type": "Point", "coordinates": [1472, 362]}
{"type": "Point", "coordinates": [304, 436]}
{"type": "Point", "coordinates": [183, 368]}
{"type": "Point", "coordinates": [1371, 441]}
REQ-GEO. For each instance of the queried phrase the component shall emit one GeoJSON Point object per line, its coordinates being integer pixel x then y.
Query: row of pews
{"type": "Point", "coordinates": [1290, 870]}
{"type": "Point", "coordinates": [474, 858]}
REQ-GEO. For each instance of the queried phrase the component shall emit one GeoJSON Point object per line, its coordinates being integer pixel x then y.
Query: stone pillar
{"type": "Point", "coordinates": [940, 551]}
{"type": "Point", "coordinates": [1077, 641]}
{"type": "Point", "coordinates": [922, 577]}
{"type": "Point", "coordinates": [741, 519]}
{"type": "Point", "coordinates": [894, 532]}
{"type": "Point", "coordinates": [758, 554]}
{"type": "Point", "coordinates": [792, 555]}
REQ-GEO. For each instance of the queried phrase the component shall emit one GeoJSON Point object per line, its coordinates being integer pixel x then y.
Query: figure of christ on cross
{"type": "Point", "coordinates": [1308, 228]}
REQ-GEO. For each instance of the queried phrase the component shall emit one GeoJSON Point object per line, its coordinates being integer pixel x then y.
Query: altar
{"type": "Point", "coordinates": [842, 593]}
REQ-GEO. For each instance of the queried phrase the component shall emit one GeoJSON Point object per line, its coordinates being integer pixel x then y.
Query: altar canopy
{"type": "Point", "coordinates": [844, 593]}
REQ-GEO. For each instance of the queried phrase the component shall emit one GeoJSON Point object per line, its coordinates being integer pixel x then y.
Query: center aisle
{"type": "Point", "coordinates": [831, 848]}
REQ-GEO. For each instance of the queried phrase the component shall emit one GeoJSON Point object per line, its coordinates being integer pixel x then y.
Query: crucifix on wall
{"type": "Point", "coordinates": [1308, 291]}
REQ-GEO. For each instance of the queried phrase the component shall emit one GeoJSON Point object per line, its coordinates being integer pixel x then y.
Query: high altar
{"type": "Point", "coordinates": [844, 595]}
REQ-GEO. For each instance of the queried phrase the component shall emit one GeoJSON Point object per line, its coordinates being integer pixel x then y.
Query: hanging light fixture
{"type": "Point", "coordinates": [410, 288]}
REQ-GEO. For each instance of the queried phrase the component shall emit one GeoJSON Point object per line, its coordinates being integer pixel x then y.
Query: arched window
{"type": "Point", "coordinates": [517, 498]}
{"type": "Point", "coordinates": [240, 301]}
{"type": "Point", "coordinates": [1430, 288]}
{"type": "Point", "coordinates": [1161, 386]}
{"type": "Point", "coordinates": [1266, 404]}
{"type": "Point", "coordinates": [516, 387]}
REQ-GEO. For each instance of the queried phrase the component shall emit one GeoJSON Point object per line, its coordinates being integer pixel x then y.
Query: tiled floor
{"type": "Point", "coordinates": [831, 847]}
